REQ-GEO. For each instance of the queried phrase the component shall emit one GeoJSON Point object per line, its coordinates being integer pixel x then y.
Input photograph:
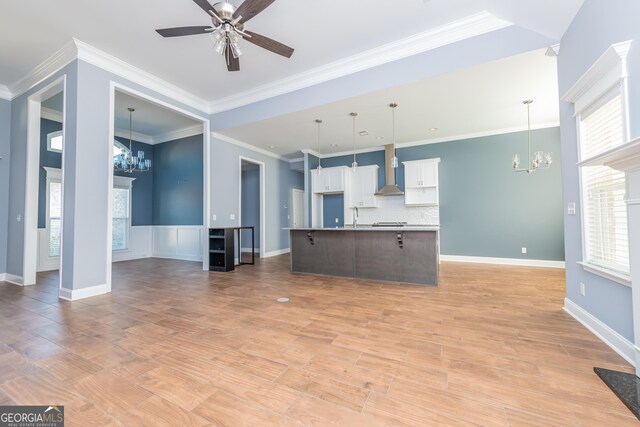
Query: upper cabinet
{"type": "Point", "coordinates": [421, 182]}
{"type": "Point", "coordinates": [363, 184]}
{"type": "Point", "coordinates": [329, 180]}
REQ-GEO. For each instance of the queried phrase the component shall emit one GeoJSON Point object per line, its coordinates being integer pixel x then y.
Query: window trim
{"type": "Point", "coordinates": [52, 175]}
{"type": "Point", "coordinates": [608, 75]}
{"type": "Point", "coordinates": [52, 135]}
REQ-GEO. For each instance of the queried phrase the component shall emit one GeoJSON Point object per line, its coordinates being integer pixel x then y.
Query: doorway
{"type": "Point", "coordinates": [297, 208]}
{"type": "Point", "coordinates": [252, 202]}
{"type": "Point", "coordinates": [44, 177]}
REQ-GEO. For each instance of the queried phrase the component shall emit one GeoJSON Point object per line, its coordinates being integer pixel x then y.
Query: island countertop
{"type": "Point", "coordinates": [371, 228]}
{"type": "Point", "coordinates": [405, 254]}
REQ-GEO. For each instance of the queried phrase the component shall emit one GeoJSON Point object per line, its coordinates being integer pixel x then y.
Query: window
{"type": "Point", "coordinates": [120, 206]}
{"type": "Point", "coordinates": [121, 217]}
{"type": "Point", "coordinates": [53, 221]}
{"type": "Point", "coordinates": [54, 141]}
{"type": "Point", "coordinates": [602, 127]}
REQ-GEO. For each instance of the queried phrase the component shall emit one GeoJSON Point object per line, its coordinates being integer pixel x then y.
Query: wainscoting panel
{"type": "Point", "coordinates": [178, 242]}
{"type": "Point", "coordinates": [139, 245]}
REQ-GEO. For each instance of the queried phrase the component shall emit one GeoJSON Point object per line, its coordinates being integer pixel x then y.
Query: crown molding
{"type": "Point", "coordinates": [465, 28]}
{"type": "Point", "coordinates": [136, 136]}
{"type": "Point", "coordinates": [609, 68]}
{"type": "Point", "coordinates": [178, 134]}
{"type": "Point", "coordinates": [5, 93]}
{"type": "Point", "coordinates": [53, 115]}
{"type": "Point", "coordinates": [110, 63]}
{"type": "Point", "coordinates": [233, 141]}
{"type": "Point", "coordinates": [46, 69]}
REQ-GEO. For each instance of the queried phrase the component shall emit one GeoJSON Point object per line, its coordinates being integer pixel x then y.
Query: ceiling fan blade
{"type": "Point", "coordinates": [251, 8]}
{"type": "Point", "coordinates": [233, 64]}
{"type": "Point", "coordinates": [184, 31]}
{"type": "Point", "coordinates": [269, 44]}
{"type": "Point", "coordinates": [204, 4]}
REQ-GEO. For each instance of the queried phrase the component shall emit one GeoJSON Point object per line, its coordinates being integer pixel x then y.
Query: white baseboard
{"type": "Point", "coordinates": [503, 261]}
{"type": "Point", "coordinates": [178, 257]}
{"type": "Point", "coordinates": [12, 278]}
{"type": "Point", "coordinates": [276, 253]}
{"type": "Point", "coordinates": [617, 342]}
{"type": "Point", "coordinates": [77, 294]}
{"type": "Point", "coordinates": [255, 250]}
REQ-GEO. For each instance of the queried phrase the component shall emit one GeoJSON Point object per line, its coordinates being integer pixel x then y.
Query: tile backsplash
{"type": "Point", "coordinates": [393, 209]}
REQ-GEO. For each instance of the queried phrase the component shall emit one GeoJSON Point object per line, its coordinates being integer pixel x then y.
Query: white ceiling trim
{"type": "Point", "coordinates": [5, 93]}
{"type": "Point", "coordinates": [247, 146]}
{"type": "Point", "coordinates": [465, 28]}
{"type": "Point", "coordinates": [178, 134]}
{"type": "Point", "coordinates": [136, 136]}
{"type": "Point", "coordinates": [46, 69]}
{"type": "Point", "coordinates": [53, 115]}
{"type": "Point", "coordinates": [460, 137]}
{"type": "Point", "coordinates": [134, 74]}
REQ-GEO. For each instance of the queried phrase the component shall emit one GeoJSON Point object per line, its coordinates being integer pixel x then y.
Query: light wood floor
{"type": "Point", "coordinates": [173, 345]}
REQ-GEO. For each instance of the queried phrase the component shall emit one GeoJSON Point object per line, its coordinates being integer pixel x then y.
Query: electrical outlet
{"type": "Point", "coordinates": [337, 221]}
{"type": "Point", "coordinates": [232, 216]}
{"type": "Point", "coordinates": [571, 208]}
{"type": "Point", "coordinates": [583, 291]}
{"type": "Point", "coordinates": [19, 218]}
{"type": "Point", "coordinates": [214, 217]}
{"type": "Point", "coordinates": [524, 250]}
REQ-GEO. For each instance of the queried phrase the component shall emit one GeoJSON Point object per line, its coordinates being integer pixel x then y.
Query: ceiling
{"type": "Point", "coordinates": [148, 118]}
{"type": "Point", "coordinates": [321, 32]}
{"type": "Point", "coordinates": [475, 100]}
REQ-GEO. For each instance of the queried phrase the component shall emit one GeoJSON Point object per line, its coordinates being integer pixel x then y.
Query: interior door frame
{"type": "Point", "coordinates": [263, 232]}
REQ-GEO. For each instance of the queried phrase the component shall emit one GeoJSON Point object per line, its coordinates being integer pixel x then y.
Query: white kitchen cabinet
{"type": "Point", "coordinates": [329, 180]}
{"type": "Point", "coordinates": [363, 184]}
{"type": "Point", "coordinates": [421, 182]}
{"type": "Point", "coordinates": [421, 173]}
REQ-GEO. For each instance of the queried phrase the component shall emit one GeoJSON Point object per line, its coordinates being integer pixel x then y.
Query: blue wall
{"type": "Point", "coordinates": [598, 25]}
{"type": "Point", "coordinates": [49, 159]}
{"type": "Point", "coordinates": [142, 194]}
{"type": "Point", "coordinates": [178, 182]}
{"type": "Point", "coordinates": [486, 209]}
{"type": "Point", "coordinates": [251, 205]}
{"type": "Point", "coordinates": [332, 210]}
{"type": "Point", "coordinates": [5, 137]}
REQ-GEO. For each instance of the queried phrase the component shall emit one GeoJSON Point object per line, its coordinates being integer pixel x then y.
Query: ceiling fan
{"type": "Point", "coordinates": [227, 30]}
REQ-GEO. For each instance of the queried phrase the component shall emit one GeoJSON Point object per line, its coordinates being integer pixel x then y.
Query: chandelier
{"type": "Point", "coordinates": [540, 159]}
{"type": "Point", "coordinates": [125, 161]}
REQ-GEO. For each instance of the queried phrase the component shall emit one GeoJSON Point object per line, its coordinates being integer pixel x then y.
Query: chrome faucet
{"type": "Point", "coordinates": [355, 217]}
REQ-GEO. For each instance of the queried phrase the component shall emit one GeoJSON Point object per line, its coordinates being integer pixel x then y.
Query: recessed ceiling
{"type": "Point", "coordinates": [148, 118]}
{"type": "Point", "coordinates": [321, 33]}
{"type": "Point", "coordinates": [480, 99]}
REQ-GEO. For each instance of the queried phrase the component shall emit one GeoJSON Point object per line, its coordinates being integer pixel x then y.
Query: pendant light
{"type": "Point", "coordinates": [540, 159]}
{"type": "Point", "coordinates": [319, 122]}
{"type": "Point", "coordinates": [393, 106]}
{"type": "Point", "coordinates": [354, 165]}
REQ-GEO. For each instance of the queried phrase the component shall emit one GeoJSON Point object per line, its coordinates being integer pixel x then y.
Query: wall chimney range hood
{"type": "Point", "coordinates": [390, 188]}
{"type": "Point", "coordinates": [391, 162]}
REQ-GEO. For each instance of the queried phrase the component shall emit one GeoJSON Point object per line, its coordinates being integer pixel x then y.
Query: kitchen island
{"type": "Point", "coordinates": [402, 254]}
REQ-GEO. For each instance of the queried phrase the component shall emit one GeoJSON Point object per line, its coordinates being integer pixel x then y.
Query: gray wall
{"type": "Point", "coordinates": [225, 176]}
{"type": "Point", "coordinates": [251, 205]}
{"type": "Point", "coordinates": [486, 209]}
{"type": "Point", "coordinates": [599, 24]}
{"type": "Point", "coordinates": [5, 134]}
{"type": "Point", "coordinates": [178, 182]}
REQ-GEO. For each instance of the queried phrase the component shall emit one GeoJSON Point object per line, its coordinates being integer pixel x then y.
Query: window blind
{"type": "Point", "coordinates": [603, 189]}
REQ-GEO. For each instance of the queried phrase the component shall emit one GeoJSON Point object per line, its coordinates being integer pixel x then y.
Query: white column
{"type": "Point", "coordinates": [633, 220]}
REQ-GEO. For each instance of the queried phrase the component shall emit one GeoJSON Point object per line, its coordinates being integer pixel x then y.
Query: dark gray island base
{"type": "Point", "coordinates": [406, 255]}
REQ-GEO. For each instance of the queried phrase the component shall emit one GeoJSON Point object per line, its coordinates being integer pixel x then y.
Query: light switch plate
{"type": "Point", "coordinates": [571, 208]}
{"type": "Point", "coordinates": [214, 217]}
{"type": "Point", "coordinates": [232, 216]}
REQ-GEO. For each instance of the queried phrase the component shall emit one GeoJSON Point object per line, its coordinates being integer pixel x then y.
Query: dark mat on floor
{"type": "Point", "coordinates": [625, 386]}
